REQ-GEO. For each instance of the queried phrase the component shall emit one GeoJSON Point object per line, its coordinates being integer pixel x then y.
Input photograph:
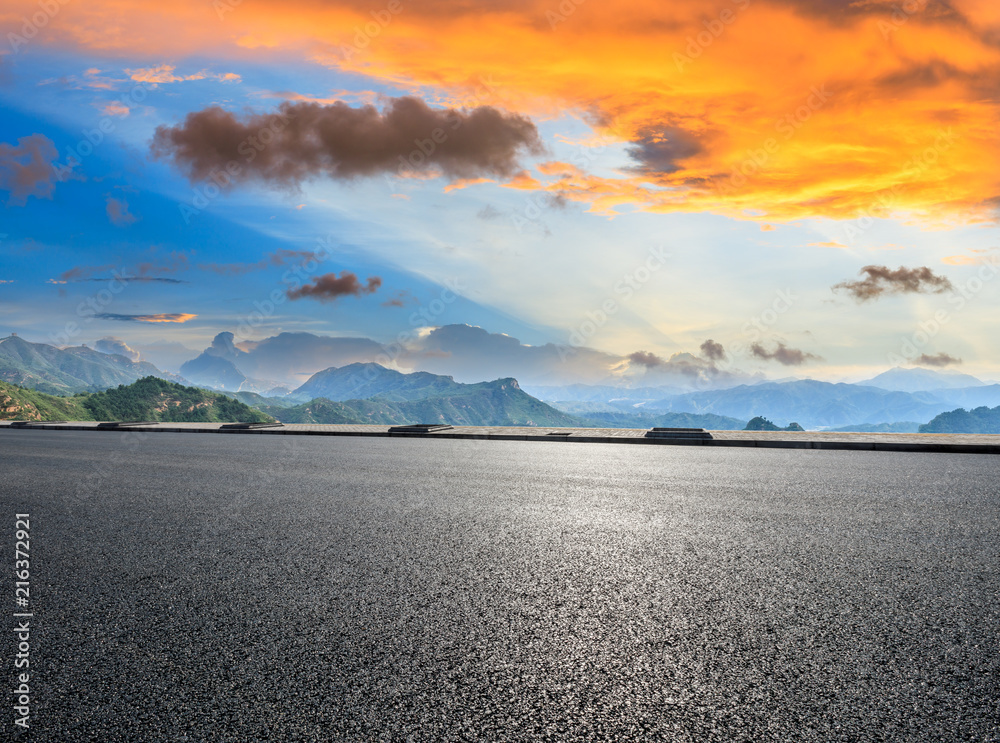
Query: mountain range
{"type": "Point", "coordinates": [65, 371]}
{"type": "Point", "coordinates": [901, 379]}
{"type": "Point", "coordinates": [497, 403]}
{"type": "Point", "coordinates": [809, 402]}
{"type": "Point", "coordinates": [898, 399]}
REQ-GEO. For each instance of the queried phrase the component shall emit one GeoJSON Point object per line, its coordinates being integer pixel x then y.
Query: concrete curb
{"type": "Point", "coordinates": [935, 447]}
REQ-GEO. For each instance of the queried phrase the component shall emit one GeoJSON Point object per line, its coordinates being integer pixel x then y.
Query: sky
{"type": "Point", "coordinates": [575, 191]}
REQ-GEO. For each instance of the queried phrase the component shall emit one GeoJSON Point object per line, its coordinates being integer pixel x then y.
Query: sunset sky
{"type": "Point", "coordinates": [811, 186]}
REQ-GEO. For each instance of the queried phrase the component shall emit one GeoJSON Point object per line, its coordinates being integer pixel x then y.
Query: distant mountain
{"type": "Point", "coordinates": [65, 371]}
{"type": "Point", "coordinates": [150, 399]}
{"type": "Point", "coordinates": [669, 420]}
{"type": "Point", "coordinates": [123, 363]}
{"type": "Point", "coordinates": [574, 407]}
{"type": "Point", "coordinates": [978, 420]}
{"type": "Point", "coordinates": [599, 392]}
{"type": "Point", "coordinates": [809, 402]}
{"type": "Point", "coordinates": [971, 397]}
{"type": "Point", "coordinates": [219, 367]}
{"type": "Point", "coordinates": [917, 379]}
{"type": "Point", "coordinates": [291, 358]}
{"type": "Point", "coordinates": [900, 427]}
{"type": "Point", "coordinates": [498, 403]}
{"type": "Point", "coordinates": [360, 381]}
{"type": "Point", "coordinates": [325, 412]}
{"type": "Point", "coordinates": [213, 371]}
{"type": "Point", "coordinates": [255, 400]}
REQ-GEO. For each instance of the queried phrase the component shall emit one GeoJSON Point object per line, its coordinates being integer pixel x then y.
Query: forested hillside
{"type": "Point", "coordinates": [149, 399]}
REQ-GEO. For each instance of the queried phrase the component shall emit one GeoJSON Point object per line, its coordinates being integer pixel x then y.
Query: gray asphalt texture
{"type": "Point", "coordinates": [248, 588]}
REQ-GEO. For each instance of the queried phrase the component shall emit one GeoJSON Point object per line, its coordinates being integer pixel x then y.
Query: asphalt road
{"type": "Point", "coordinates": [250, 588]}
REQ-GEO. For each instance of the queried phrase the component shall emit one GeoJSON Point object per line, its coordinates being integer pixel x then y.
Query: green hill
{"type": "Point", "coordinates": [498, 403]}
{"type": "Point", "coordinates": [763, 424]}
{"type": "Point", "coordinates": [255, 400]}
{"type": "Point", "coordinates": [149, 399]}
{"type": "Point", "coordinates": [22, 404]}
{"type": "Point", "coordinates": [977, 420]}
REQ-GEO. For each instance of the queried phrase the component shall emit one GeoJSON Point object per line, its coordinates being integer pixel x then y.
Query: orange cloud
{"type": "Point", "coordinates": [960, 260]}
{"type": "Point", "coordinates": [523, 181]}
{"type": "Point", "coordinates": [172, 317]}
{"type": "Point", "coordinates": [465, 183]}
{"type": "Point", "coordinates": [114, 108]}
{"type": "Point", "coordinates": [773, 110]}
{"type": "Point", "coordinates": [177, 317]}
{"type": "Point", "coordinates": [831, 244]}
{"type": "Point", "coordinates": [164, 73]}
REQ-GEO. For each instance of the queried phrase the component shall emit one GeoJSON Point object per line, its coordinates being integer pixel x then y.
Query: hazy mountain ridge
{"type": "Point", "coordinates": [216, 367]}
{"type": "Point", "coordinates": [917, 379]}
{"type": "Point", "coordinates": [707, 421]}
{"type": "Point", "coordinates": [368, 392]}
{"type": "Point", "coordinates": [288, 356]}
{"type": "Point", "coordinates": [66, 371]}
{"type": "Point", "coordinates": [897, 427]}
{"type": "Point", "coordinates": [809, 402]}
{"type": "Point", "coordinates": [363, 381]}
{"type": "Point", "coordinates": [497, 403]}
{"type": "Point", "coordinates": [600, 392]}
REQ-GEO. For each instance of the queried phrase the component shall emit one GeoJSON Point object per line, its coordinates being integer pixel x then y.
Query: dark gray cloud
{"type": "Point", "coordinates": [276, 259]}
{"type": "Point", "coordinates": [307, 140]}
{"type": "Point", "coordinates": [713, 351]}
{"type": "Point", "coordinates": [28, 169]}
{"type": "Point", "coordinates": [840, 12]}
{"type": "Point", "coordinates": [683, 369]}
{"type": "Point", "coordinates": [329, 287]}
{"type": "Point", "coordinates": [148, 270]}
{"type": "Point", "coordinates": [646, 359]}
{"type": "Point", "coordinates": [783, 354]}
{"type": "Point", "coordinates": [940, 360]}
{"type": "Point", "coordinates": [660, 151]}
{"type": "Point", "coordinates": [83, 273]}
{"type": "Point", "coordinates": [402, 298]}
{"type": "Point", "coordinates": [118, 211]}
{"type": "Point", "coordinates": [140, 279]}
{"type": "Point", "coordinates": [882, 280]}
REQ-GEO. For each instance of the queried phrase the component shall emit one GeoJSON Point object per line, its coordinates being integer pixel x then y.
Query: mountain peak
{"type": "Point", "coordinates": [223, 347]}
{"type": "Point", "coordinates": [507, 382]}
{"type": "Point", "coordinates": [920, 379]}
